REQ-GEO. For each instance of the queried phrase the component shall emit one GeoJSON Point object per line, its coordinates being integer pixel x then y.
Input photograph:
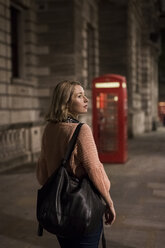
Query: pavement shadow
{"type": "Point", "coordinates": [24, 230]}
{"type": "Point", "coordinates": [16, 228]}
{"type": "Point", "coordinates": [114, 244]}
{"type": "Point", "coordinates": [26, 168]}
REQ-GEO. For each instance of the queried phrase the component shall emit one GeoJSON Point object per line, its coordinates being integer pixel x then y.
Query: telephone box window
{"type": "Point", "coordinates": [107, 108]}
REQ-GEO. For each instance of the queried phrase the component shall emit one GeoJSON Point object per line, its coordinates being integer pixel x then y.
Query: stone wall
{"type": "Point", "coordinates": [162, 63]}
{"type": "Point", "coordinates": [86, 47]}
{"type": "Point", "coordinates": [126, 47]}
{"type": "Point", "coordinates": [56, 58]}
{"type": "Point", "coordinates": [86, 41]}
{"type": "Point", "coordinates": [56, 42]}
{"type": "Point", "coordinates": [113, 37]}
{"type": "Point", "coordinates": [143, 66]}
{"type": "Point", "coordinates": [151, 52]}
{"type": "Point", "coordinates": [68, 45]}
{"type": "Point", "coordinates": [19, 144]}
{"type": "Point", "coordinates": [135, 27]}
{"type": "Point", "coordinates": [19, 102]}
{"type": "Point", "coordinates": [19, 95]}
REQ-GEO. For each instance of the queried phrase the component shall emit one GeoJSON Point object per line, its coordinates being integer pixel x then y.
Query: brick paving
{"type": "Point", "coordinates": [138, 191]}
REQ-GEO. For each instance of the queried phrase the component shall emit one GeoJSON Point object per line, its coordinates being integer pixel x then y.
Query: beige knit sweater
{"type": "Point", "coordinates": [84, 159]}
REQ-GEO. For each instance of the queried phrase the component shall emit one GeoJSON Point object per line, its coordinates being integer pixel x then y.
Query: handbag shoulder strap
{"type": "Point", "coordinates": [71, 145]}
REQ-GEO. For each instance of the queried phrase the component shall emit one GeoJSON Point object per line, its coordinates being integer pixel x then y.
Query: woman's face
{"type": "Point", "coordinates": [79, 102]}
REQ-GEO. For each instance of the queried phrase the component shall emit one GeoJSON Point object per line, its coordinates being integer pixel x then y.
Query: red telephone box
{"type": "Point", "coordinates": [161, 111]}
{"type": "Point", "coordinates": [110, 117]}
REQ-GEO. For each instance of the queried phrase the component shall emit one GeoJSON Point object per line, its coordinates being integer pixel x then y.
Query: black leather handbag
{"type": "Point", "coordinates": [66, 205]}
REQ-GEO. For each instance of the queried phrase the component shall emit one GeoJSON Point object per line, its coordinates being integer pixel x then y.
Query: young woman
{"type": "Point", "coordinates": [68, 102]}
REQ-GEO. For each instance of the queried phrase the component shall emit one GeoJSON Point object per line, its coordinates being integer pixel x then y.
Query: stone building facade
{"type": "Point", "coordinates": [68, 43]}
{"type": "Point", "coordinates": [162, 56]}
{"type": "Point", "coordinates": [127, 47]}
{"type": "Point", "coordinates": [19, 91]}
{"type": "Point", "coordinates": [45, 41]}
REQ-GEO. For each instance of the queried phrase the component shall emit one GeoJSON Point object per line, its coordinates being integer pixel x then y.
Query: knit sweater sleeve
{"type": "Point", "coordinates": [89, 159]}
{"type": "Point", "coordinates": [41, 170]}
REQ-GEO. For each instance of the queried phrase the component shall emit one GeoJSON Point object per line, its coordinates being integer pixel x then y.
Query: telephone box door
{"type": "Point", "coordinates": [110, 117]}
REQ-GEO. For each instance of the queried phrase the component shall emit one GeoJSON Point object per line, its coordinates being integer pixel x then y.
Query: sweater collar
{"type": "Point", "coordinates": [71, 120]}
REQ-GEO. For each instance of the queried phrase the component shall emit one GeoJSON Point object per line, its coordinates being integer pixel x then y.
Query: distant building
{"type": "Point", "coordinates": [44, 42]}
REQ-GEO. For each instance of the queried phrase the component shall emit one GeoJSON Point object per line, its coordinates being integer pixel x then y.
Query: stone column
{"type": "Point", "coordinates": [86, 47]}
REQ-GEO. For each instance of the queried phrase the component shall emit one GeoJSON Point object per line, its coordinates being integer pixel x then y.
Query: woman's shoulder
{"type": "Point", "coordinates": [86, 131]}
{"type": "Point", "coordinates": [86, 127]}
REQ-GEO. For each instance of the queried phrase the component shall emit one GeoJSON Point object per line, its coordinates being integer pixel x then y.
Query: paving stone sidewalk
{"type": "Point", "coordinates": [138, 191]}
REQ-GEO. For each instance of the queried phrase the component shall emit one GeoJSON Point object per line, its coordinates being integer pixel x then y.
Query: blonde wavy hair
{"type": "Point", "coordinates": [61, 98]}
